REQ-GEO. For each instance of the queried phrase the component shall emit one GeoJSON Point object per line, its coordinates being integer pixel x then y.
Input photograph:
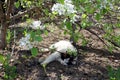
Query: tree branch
{"type": "Point", "coordinates": [20, 14]}
{"type": "Point", "coordinates": [115, 44]}
{"type": "Point", "coordinates": [1, 11]}
{"type": "Point", "coordinates": [10, 4]}
{"type": "Point", "coordinates": [97, 36]}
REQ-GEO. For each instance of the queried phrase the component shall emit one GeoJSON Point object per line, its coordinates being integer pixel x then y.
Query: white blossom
{"type": "Point", "coordinates": [37, 25]}
{"type": "Point", "coordinates": [106, 3]}
{"type": "Point", "coordinates": [25, 43]}
{"type": "Point", "coordinates": [69, 8]}
{"type": "Point", "coordinates": [64, 9]}
{"type": "Point", "coordinates": [68, 1]}
{"type": "Point", "coordinates": [58, 8]}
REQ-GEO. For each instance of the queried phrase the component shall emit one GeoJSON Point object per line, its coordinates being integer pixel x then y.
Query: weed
{"type": "Point", "coordinates": [9, 71]}
{"type": "Point", "coordinates": [114, 74]}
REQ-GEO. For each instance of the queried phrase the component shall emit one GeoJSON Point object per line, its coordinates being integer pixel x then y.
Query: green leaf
{"type": "Point", "coordinates": [8, 36]}
{"type": "Point", "coordinates": [76, 36]}
{"type": "Point", "coordinates": [83, 24]}
{"type": "Point", "coordinates": [118, 25]}
{"type": "Point", "coordinates": [10, 72]}
{"type": "Point", "coordinates": [97, 16]}
{"type": "Point", "coordinates": [82, 1]}
{"type": "Point", "coordinates": [111, 72]}
{"type": "Point", "coordinates": [17, 4]}
{"type": "Point", "coordinates": [34, 51]}
{"type": "Point", "coordinates": [70, 52]}
{"type": "Point", "coordinates": [84, 15]}
{"type": "Point", "coordinates": [2, 58]}
{"type": "Point", "coordinates": [118, 74]}
{"type": "Point", "coordinates": [32, 35]}
{"type": "Point", "coordinates": [29, 21]}
{"type": "Point", "coordinates": [103, 11]}
{"type": "Point", "coordinates": [60, 1]}
{"type": "Point", "coordinates": [54, 13]}
{"type": "Point", "coordinates": [38, 32]}
{"type": "Point", "coordinates": [38, 38]}
{"type": "Point", "coordinates": [68, 25]}
{"type": "Point", "coordinates": [46, 11]}
{"type": "Point", "coordinates": [46, 32]}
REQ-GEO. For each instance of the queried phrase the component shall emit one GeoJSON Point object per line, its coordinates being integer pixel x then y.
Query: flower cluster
{"type": "Point", "coordinates": [68, 1]}
{"type": "Point", "coordinates": [37, 25]}
{"type": "Point", "coordinates": [64, 9]}
{"type": "Point", "coordinates": [25, 43]}
{"type": "Point", "coordinates": [106, 3]}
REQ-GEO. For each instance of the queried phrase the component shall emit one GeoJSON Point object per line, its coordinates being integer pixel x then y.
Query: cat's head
{"type": "Point", "coordinates": [69, 59]}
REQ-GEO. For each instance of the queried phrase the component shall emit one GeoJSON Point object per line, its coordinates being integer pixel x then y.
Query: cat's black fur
{"type": "Point", "coordinates": [65, 56]}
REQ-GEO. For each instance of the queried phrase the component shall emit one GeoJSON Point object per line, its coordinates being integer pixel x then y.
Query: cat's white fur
{"type": "Point", "coordinates": [61, 46]}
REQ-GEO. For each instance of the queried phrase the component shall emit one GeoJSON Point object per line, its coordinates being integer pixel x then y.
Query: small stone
{"type": "Point", "coordinates": [116, 60]}
{"type": "Point", "coordinates": [12, 60]}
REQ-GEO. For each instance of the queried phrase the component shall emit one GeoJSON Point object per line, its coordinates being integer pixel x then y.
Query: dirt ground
{"type": "Point", "coordinates": [93, 60]}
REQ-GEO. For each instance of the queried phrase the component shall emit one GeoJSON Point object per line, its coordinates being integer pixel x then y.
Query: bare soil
{"type": "Point", "coordinates": [93, 60]}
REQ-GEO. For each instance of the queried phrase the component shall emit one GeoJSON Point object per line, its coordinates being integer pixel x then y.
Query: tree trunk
{"type": "Point", "coordinates": [3, 27]}
{"type": "Point", "coordinates": [4, 20]}
{"type": "Point", "coordinates": [3, 32]}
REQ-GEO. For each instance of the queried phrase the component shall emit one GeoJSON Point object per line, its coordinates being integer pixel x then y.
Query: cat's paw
{"type": "Point", "coordinates": [63, 63]}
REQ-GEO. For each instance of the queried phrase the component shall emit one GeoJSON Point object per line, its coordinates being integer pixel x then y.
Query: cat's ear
{"type": "Point", "coordinates": [66, 60]}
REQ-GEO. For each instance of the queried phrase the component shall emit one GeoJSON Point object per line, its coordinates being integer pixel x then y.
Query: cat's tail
{"type": "Point", "coordinates": [50, 58]}
{"type": "Point", "coordinates": [44, 52]}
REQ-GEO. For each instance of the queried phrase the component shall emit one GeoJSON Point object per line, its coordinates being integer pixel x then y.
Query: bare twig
{"type": "Point", "coordinates": [97, 36]}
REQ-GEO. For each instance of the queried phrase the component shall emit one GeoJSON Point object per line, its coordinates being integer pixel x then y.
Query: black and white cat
{"type": "Point", "coordinates": [61, 53]}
